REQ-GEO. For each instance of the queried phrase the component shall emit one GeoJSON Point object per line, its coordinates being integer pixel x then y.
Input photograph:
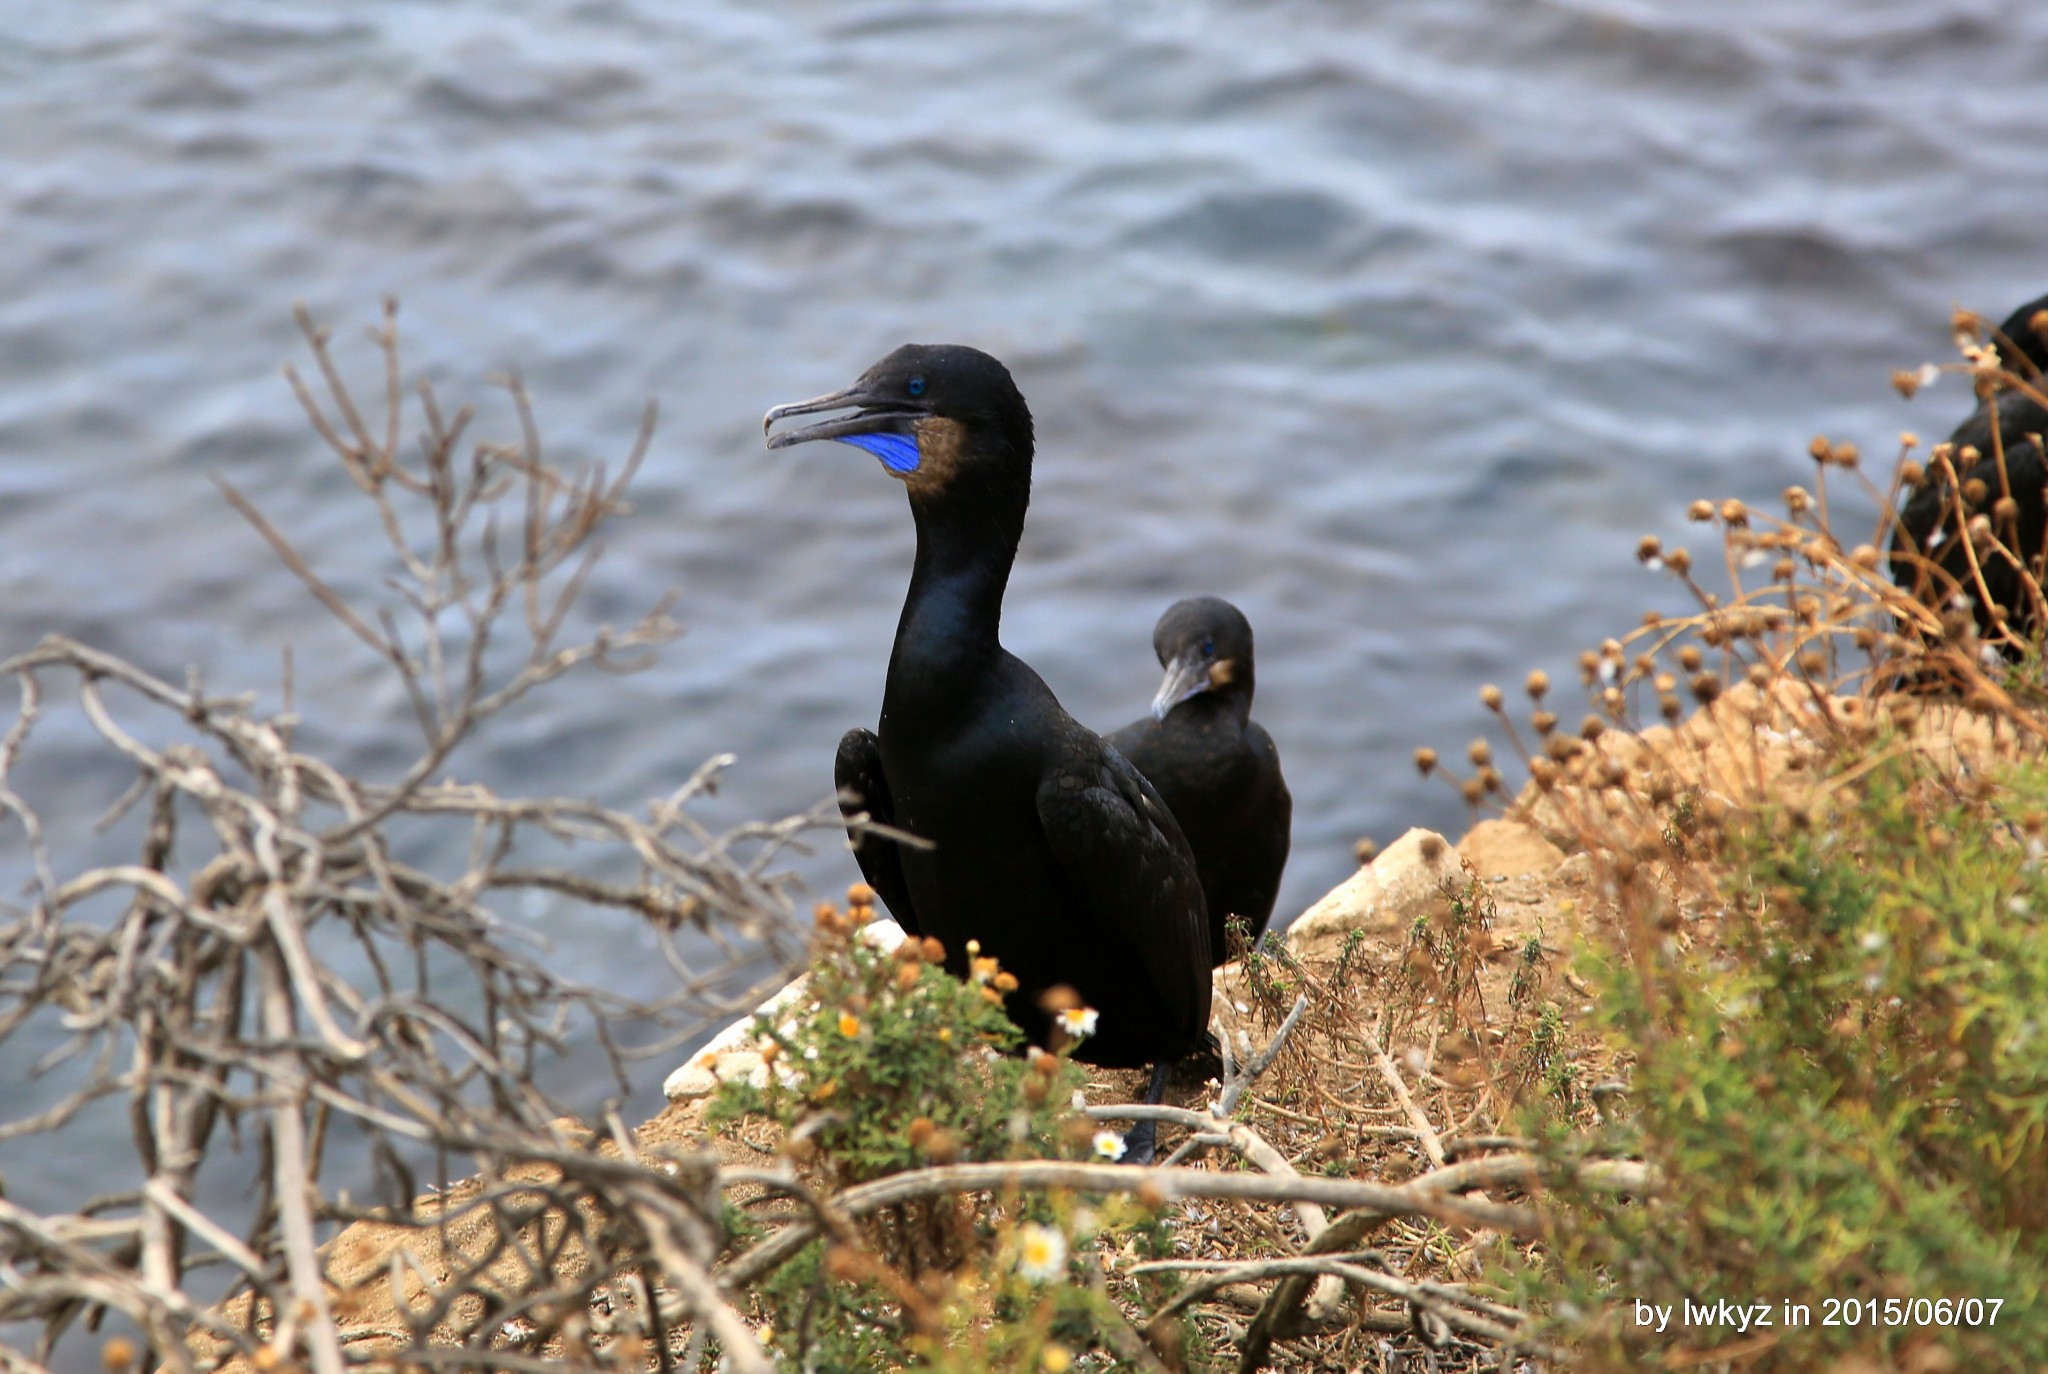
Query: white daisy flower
{"type": "Point", "coordinates": [1079, 1022]}
{"type": "Point", "coordinates": [1109, 1145]}
{"type": "Point", "coordinates": [1043, 1253]}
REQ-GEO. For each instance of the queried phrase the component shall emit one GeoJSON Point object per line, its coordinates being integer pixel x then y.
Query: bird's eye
{"type": "Point", "coordinates": [1208, 647]}
{"type": "Point", "coordinates": [916, 387]}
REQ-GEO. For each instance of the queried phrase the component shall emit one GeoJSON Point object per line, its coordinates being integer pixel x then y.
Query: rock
{"type": "Point", "coordinates": [1509, 849]}
{"type": "Point", "coordinates": [1384, 898]}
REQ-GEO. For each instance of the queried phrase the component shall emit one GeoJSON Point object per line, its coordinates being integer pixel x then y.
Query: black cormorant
{"type": "Point", "coordinates": [1929, 544]}
{"type": "Point", "coordinates": [1047, 847]}
{"type": "Point", "coordinates": [1216, 768]}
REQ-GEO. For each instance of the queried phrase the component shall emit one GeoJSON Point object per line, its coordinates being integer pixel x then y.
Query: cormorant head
{"type": "Point", "coordinates": [1205, 645]}
{"type": "Point", "coordinates": [928, 411]}
{"type": "Point", "coordinates": [2023, 332]}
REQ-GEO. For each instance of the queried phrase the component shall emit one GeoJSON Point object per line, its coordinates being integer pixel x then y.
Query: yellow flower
{"type": "Point", "coordinates": [1055, 1359]}
{"type": "Point", "coordinates": [849, 1024]}
{"type": "Point", "coordinates": [1042, 1252]}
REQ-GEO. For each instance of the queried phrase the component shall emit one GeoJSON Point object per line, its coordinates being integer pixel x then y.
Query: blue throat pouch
{"type": "Point", "coordinates": [898, 452]}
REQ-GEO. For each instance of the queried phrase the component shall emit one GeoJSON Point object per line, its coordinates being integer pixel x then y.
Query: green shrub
{"type": "Point", "coordinates": [887, 1063]}
{"type": "Point", "coordinates": [1842, 1073]}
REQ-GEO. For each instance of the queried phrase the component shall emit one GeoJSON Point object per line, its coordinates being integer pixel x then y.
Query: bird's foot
{"type": "Point", "coordinates": [1141, 1144]}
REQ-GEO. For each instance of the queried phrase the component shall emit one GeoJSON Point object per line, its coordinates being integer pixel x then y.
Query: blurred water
{"type": "Point", "coordinates": [1395, 324]}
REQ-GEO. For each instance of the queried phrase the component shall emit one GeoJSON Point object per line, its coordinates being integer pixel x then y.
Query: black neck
{"type": "Point", "coordinates": [1232, 701]}
{"type": "Point", "coordinates": [966, 543]}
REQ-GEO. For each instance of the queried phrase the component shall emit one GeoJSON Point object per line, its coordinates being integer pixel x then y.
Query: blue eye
{"type": "Point", "coordinates": [916, 387]}
{"type": "Point", "coordinates": [1208, 647]}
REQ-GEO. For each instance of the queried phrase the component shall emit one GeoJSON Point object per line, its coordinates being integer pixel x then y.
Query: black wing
{"type": "Point", "coordinates": [1927, 553]}
{"type": "Point", "coordinates": [857, 772]}
{"type": "Point", "coordinates": [1123, 853]}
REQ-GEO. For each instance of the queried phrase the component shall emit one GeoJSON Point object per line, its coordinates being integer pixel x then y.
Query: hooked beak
{"type": "Point", "coordinates": [876, 415]}
{"type": "Point", "coordinates": [1186, 676]}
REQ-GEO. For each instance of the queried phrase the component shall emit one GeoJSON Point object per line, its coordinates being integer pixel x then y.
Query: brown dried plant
{"type": "Point", "coordinates": [270, 976]}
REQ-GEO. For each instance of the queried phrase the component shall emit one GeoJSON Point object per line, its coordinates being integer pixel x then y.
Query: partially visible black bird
{"type": "Point", "coordinates": [1997, 453]}
{"type": "Point", "coordinates": [1047, 846]}
{"type": "Point", "coordinates": [1216, 768]}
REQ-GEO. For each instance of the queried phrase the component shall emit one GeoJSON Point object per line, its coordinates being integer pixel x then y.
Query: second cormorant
{"type": "Point", "coordinates": [1047, 847]}
{"type": "Point", "coordinates": [1998, 459]}
{"type": "Point", "coordinates": [1217, 769]}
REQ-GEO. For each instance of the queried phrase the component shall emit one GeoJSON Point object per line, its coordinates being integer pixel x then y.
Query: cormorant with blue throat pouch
{"type": "Point", "coordinates": [1046, 845]}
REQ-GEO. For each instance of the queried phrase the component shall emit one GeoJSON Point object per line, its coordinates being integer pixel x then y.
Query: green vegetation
{"type": "Point", "coordinates": [886, 1064]}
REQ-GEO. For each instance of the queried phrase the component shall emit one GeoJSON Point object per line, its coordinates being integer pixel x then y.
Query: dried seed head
{"type": "Point", "coordinates": [1425, 761]}
{"type": "Point", "coordinates": [1544, 721]}
{"type": "Point", "coordinates": [1705, 688]}
{"type": "Point", "coordinates": [934, 952]}
{"type": "Point", "coordinates": [1784, 570]}
{"type": "Point", "coordinates": [1700, 512]}
{"type": "Point", "coordinates": [1365, 851]}
{"type": "Point", "coordinates": [1813, 662]}
{"type": "Point", "coordinates": [1905, 383]}
{"type": "Point", "coordinates": [1480, 752]}
{"type": "Point", "coordinates": [1649, 548]}
{"type": "Point", "coordinates": [1679, 561]}
{"type": "Point", "coordinates": [1591, 728]}
{"type": "Point", "coordinates": [1758, 675]}
{"type": "Point", "coordinates": [1865, 638]}
{"type": "Point", "coordinates": [1847, 455]}
{"type": "Point", "coordinates": [1668, 706]}
{"type": "Point", "coordinates": [2005, 509]}
{"type": "Point", "coordinates": [1613, 773]}
{"type": "Point", "coordinates": [860, 894]}
{"type": "Point", "coordinates": [1864, 556]}
{"type": "Point", "coordinates": [1974, 491]}
{"type": "Point", "coordinates": [1817, 448]}
{"type": "Point", "coordinates": [1490, 697]}
{"type": "Point", "coordinates": [1735, 514]}
{"type": "Point", "coordinates": [1797, 501]}
{"type": "Point", "coordinates": [1911, 474]}
{"type": "Point", "coordinates": [1491, 780]}
{"type": "Point", "coordinates": [1058, 998]}
{"type": "Point", "coordinates": [1644, 665]}
{"type": "Point", "coordinates": [1543, 772]}
{"type": "Point", "coordinates": [1689, 657]}
{"type": "Point", "coordinates": [1589, 666]}
{"type": "Point", "coordinates": [1473, 792]}
{"type": "Point", "coordinates": [1536, 684]}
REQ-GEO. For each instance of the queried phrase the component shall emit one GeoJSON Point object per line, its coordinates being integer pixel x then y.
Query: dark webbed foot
{"type": "Point", "coordinates": [1141, 1144]}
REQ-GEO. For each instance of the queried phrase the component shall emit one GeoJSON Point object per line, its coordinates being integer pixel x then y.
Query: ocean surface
{"type": "Point", "coordinates": [1396, 325]}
